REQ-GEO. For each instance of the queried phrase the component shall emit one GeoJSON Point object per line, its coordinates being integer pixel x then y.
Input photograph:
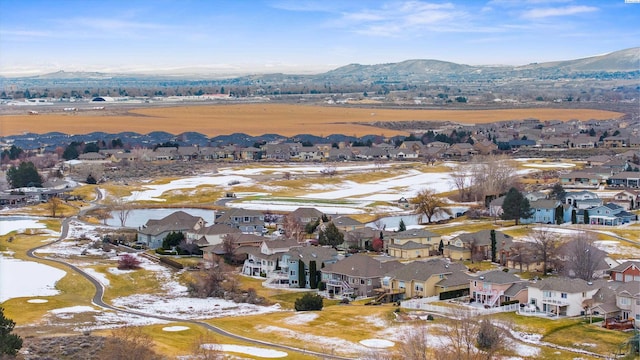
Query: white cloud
{"type": "Point", "coordinates": [558, 11]}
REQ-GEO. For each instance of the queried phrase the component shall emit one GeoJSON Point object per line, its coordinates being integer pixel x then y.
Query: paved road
{"type": "Point", "coordinates": [99, 294]}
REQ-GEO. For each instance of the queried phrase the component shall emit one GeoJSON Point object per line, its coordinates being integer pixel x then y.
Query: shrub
{"type": "Point", "coordinates": [430, 317]}
{"type": "Point", "coordinates": [9, 343]}
{"type": "Point", "coordinates": [128, 262]}
{"type": "Point", "coordinates": [309, 302]}
{"type": "Point", "coordinates": [172, 263]}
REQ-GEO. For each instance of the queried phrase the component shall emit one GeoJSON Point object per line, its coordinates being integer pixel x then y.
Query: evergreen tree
{"type": "Point", "coordinates": [313, 279]}
{"type": "Point", "coordinates": [70, 152]}
{"type": "Point", "coordinates": [559, 215]}
{"type": "Point", "coordinates": [494, 246]}
{"type": "Point", "coordinates": [308, 302]}
{"type": "Point", "coordinates": [172, 239]}
{"type": "Point", "coordinates": [330, 236]}
{"type": "Point", "coordinates": [311, 226]}
{"type": "Point", "coordinates": [9, 343]}
{"type": "Point", "coordinates": [441, 247]}
{"type": "Point", "coordinates": [585, 219]}
{"type": "Point", "coordinates": [25, 174]}
{"type": "Point", "coordinates": [574, 217]}
{"type": "Point", "coordinates": [302, 283]}
{"type": "Point", "coordinates": [402, 226]}
{"type": "Point", "coordinates": [557, 192]}
{"type": "Point", "coordinates": [516, 206]}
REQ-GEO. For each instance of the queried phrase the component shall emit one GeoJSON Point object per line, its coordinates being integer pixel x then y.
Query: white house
{"type": "Point", "coordinates": [562, 296]}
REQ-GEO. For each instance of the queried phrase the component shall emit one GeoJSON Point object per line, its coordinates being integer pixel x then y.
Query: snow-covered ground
{"type": "Point", "coordinates": [20, 278]}
{"type": "Point", "coordinates": [19, 224]}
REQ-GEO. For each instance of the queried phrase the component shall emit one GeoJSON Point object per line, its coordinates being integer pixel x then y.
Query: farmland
{"type": "Point", "coordinates": [258, 119]}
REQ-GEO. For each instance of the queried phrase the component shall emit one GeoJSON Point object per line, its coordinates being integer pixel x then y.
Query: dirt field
{"type": "Point", "coordinates": [258, 119]}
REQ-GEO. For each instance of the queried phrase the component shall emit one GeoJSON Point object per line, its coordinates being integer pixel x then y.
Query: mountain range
{"type": "Point", "coordinates": [618, 64]}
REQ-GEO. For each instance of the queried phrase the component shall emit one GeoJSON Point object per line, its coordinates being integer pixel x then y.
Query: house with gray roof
{"type": "Point", "coordinates": [265, 260]}
{"type": "Point", "coordinates": [562, 296]}
{"type": "Point", "coordinates": [477, 246]}
{"type": "Point", "coordinates": [305, 215]}
{"type": "Point", "coordinates": [299, 259]}
{"type": "Point", "coordinates": [153, 232]}
{"type": "Point", "coordinates": [420, 279]}
{"type": "Point", "coordinates": [489, 288]}
{"type": "Point", "coordinates": [413, 244]}
{"type": "Point", "coordinates": [248, 221]}
{"type": "Point", "coordinates": [356, 275]}
{"type": "Point", "coordinates": [211, 235]}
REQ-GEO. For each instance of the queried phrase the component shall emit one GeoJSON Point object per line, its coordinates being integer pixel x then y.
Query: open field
{"type": "Point", "coordinates": [259, 119]}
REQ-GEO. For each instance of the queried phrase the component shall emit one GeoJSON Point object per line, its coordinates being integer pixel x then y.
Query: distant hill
{"type": "Point", "coordinates": [623, 64]}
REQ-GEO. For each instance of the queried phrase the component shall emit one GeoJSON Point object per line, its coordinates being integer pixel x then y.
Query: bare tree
{"type": "Point", "coordinates": [205, 347]}
{"type": "Point", "coordinates": [54, 204]}
{"type": "Point", "coordinates": [519, 252]}
{"type": "Point", "coordinates": [414, 343]}
{"type": "Point", "coordinates": [545, 243]}
{"type": "Point", "coordinates": [581, 258]}
{"type": "Point", "coordinates": [428, 204]}
{"type": "Point", "coordinates": [459, 341]}
{"type": "Point", "coordinates": [120, 206]}
{"type": "Point", "coordinates": [491, 175]}
{"type": "Point", "coordinates": [462, 180]}
{"type": "Point", "coordinates": [293, 228]}
{"type": "Point", "coordinates": [129, 343]}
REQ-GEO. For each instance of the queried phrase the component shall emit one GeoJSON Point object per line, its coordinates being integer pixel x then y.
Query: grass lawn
{"type": "Point", "coordinates": [574, 332]}
{"type": "Point", "coordinates": [355, 323]}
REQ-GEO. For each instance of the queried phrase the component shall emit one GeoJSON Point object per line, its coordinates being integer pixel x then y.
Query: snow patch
{"type": "Point", "coordinates": [248, 350]}
{"type": "Point", "coordinates": [300, 318]}
{"type": "Point", "coordinates": [37, 301]}
{"type": "Point", "coordinates": [377, 343]}
{"type": "Point", "coordinates": [175, 328]}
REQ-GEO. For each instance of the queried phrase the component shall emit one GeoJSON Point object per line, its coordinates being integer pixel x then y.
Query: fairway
{"type": "Point", "coordinates": [259, 119]}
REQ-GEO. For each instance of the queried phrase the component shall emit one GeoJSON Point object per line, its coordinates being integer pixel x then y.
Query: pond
{"type": "Point", "coordinates": [393, 222]}
{"type": "Point", "coordinates": [35, 279]}
{"type": "Point", "coordinates": [139, 217]}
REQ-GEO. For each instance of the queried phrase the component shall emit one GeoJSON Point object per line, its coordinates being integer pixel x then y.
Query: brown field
{"type": "Point", "coordinates": [258, 119]}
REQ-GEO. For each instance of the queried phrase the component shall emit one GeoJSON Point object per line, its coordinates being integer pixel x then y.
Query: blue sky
{"type": "Point", "coordinates": [299, 36]}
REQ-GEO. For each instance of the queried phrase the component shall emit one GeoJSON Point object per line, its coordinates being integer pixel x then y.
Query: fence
{"type": "Point", "coordinates": [425, 305]}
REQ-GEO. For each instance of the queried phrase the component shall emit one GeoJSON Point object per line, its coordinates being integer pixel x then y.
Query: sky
{"type": "Point", "coordinates": [300, 36]}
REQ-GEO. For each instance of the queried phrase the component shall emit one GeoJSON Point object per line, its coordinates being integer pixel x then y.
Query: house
{"type": "Point", "coordinates": [535, 195]}
{"type": "Point", "coordinates": [580, 179]}
{"type": "Point", "coordinates": [459, 151]}
{"type": "Point", "coordinates": [361, 238]}
{"type": "Point", "coordinates": [561, 296]}
{"type": "Point", "coordinates": [615, 141]}
{"type": "Point", "coordinates": [524, 256]}
{"type": "Point", "coordinates": [346, 223]}
{"type": "Point", "coordinates": [356, 275]}
{"type": "Point", "coordinates": [477, 246]}
{"type": "Point", "coordinates": [489, 288]}
{"type": "Point", "coordinates": [413, 244]}
{"type": "Point", "coordinates": [627, 199]}
{"type": "Point", "coordinates": [420, 279]}
{"type": "Point", "coordinates": [153, 232]}
{"type": "Point", "coordinates": [609, 214]}
{"type": "Point", "coordinates": [544, 212]}
{"type": "Point", "coordinates": [299, 259]}
{"type": "Point", "coordinates": [238, 244]}
{"type": "Point", "coordinates": [211, 235]}
{"type": "Point", "coordinates": [485, 147]}
{"type": "Point", "coordinates": [573, 197]}
{"type": "Point", "coordinates": [628, 301]}
{"type": "Point", "coordinates": [248, 221]}
{"type": "Point", "coordinates": [495, 207]}
{"type": "Point", "coordinates": [630, 179]}
{"type": "Point", "coordinates": [92, 156]}
{"type": "Point", "coordinates": [264, 260]}
{"type": "Point", "coordinates": [305, 215]}
{"type": "Point", "coordinates": [628, 271]}
{"type": "Point", "coordinates": [567, 260]}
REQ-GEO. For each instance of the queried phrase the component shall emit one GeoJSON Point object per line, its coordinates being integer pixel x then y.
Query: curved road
{"type": "Point", "coordinates": [98, 298]}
